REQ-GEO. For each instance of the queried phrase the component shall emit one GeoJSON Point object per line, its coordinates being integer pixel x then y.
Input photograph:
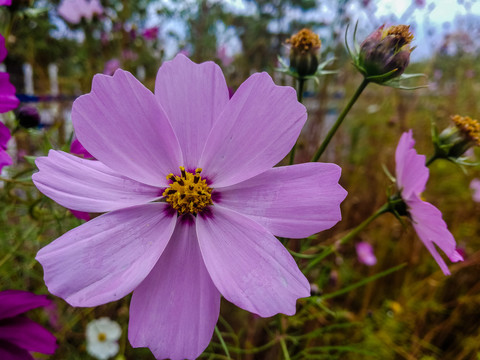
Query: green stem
{"type": "Point", "coordinates": [300, 85]}
{"type": "Point", "coordinates": [286, 355]}
{"type": "Point", "coordinates": [382, 210]}
{"type": "Point", "coordinates": [340, 119]}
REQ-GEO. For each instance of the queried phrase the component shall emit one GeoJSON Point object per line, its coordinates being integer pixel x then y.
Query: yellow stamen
{"type": "Point", "coordinates": [305, 40]}
{"type": "Point", "coordinates": [188, 193]}
{"type": "Point", "coordinates": [102, 337]}
{"type": "Point", "coordinates": [469, 127]}
{"type": "Point", "coordinates": [401, 32]}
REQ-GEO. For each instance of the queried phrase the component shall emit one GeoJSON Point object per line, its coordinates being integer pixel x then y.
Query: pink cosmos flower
{"type": "Point", "coordinates": [192, 202]}
{"type": "Point", "coordinates": [475, 187]}
{"type": "Point", "coordinates": [8, 100]}
{"type": "Point", "coordinates": [5, 2]}
{"type": "Point", "coordinates": [74, 10]}
{"type": "Point", "coordinates": [412, 176]}
{"type": "Point", "coordinates": [5, 159]}
{"type": "Point", "coordinates": [365, 253]}
{"type": "Point", "coordinates": [18, 334]}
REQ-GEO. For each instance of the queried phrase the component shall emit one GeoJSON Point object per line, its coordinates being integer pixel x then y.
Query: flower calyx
{"type": "Point", "coordinates": [188, 193]}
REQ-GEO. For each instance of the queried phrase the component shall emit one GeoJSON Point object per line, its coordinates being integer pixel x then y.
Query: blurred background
{"type": "Point", "coordinates": [414, 313]}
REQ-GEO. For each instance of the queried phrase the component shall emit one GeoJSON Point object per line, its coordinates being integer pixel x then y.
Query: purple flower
{"type": "Point", "coordinates": [193, 203]}
{"type": "Point", "coordinates": [73, 10]}
{"type": "Point", "coordinates": [475, 186]}
{"type": "Point", "coordinates": [365, 253]}
{"type": "Point", "coordinates": [18, 334]}
{"type": "Point", "coordinates": [150, 33]}
{"type": "Point", "coordinates": [412, 176]}
{"type": "Point", "coordinates": [5, 159]}
{"type": "Point", "coordinates": [5, 2]}
{"type": "Point", "coordinates": [8, 100]}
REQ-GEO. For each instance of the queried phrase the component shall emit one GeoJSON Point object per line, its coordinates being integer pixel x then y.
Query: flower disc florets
{"type": "Point", "coordinates": [470, 128]}
{"type": "Point", "coordinates": [304, 52]}
{"type": "Point", "coordinates": [188, 193]}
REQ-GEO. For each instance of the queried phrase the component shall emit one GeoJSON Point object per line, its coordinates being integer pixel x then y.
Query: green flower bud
{"type": "Point", "coordinates": [305, 46]}
{"type": "Point", "coordinates": [385, 53]}
{"type": "Point", "coordinates": [454, 141]}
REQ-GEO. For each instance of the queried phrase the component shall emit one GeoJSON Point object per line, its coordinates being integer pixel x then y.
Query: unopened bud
{"type": "Point", "coordinates": [28, 117]}
{"type": "Point", "coordinates": [454, 141]}
{"type": "Point", "coordinates": [385, 52]}
{"type": "Point", "coordinates": [305, 46]}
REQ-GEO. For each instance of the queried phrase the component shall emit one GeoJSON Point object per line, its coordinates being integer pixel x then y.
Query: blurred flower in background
{"type": "Point", "coordinates": [28, 117]}
{"type": "Point", "coordinates": [150, 33]}
{"type": "Point", "coordinates": [8, 100]}
{"type": "Point", "coordinates": [102, 338]}
{"type": "Point", "coordinates": [365, 253]}
{"type": "Point", "coordinates": [18, 334]}
{"type": "Point", "coordinates": [5, 2]}
{"type": "Point", "coordinates": [5, 159]}
{"type": "Point", "coordinates": [74, 10]}
{"type": "Point", "coordinates": [111, 66]}
{"type": "Point", "coordinates": [475, 187]}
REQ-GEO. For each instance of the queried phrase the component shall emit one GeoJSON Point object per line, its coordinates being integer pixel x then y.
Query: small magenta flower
{"type": "Point", "coordinates": [74, 10]}
{"type": "Point", "coordinates": [102, 338]}
{"type": "Point", "coordinates": [365, 253]}
{"type": "Point", "coordinates": [8, 100]}
{"type": "Point", "coordinates": [192, 202]}
{"type": "Point", "coordinates": [5, 2]}
{"type": "Point", "coordinates": [18, 334]}
{"type": "Point", "coordinates": [304, 48]}
{"type": "Point", "coordinates": [385, 53]}
{"type": "Point", "coordinates": [412, 176]}
{"type": "Point", "coordinates": [150, 33]}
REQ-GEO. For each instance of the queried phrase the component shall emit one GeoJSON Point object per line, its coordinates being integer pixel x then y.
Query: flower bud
{"type": "Point", "coordinates": [28, 117]}
{"type": "Point", "coordinates": [385, 52]}
{"type": "Point", "coordinates": [305, 46]}
{"type": "Point", "coordinates": [454, 141]}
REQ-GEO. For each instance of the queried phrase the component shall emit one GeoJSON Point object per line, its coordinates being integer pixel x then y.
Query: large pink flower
{"type": "Point", "coordinates": [412, 176]}
{"type": "Point", "coordinates": [18, 334]}
{"type": "Point", "coordinates": [180, 238]}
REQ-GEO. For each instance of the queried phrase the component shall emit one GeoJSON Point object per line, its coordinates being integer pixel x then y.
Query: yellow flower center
{"type": "Point", "coordinates": [188, 193]}
{"type": "Point", "coordinates": [469, 127]}
{"type": "Point", "coordinates": [402, 34]}
{"type": "Point", "coordinates": [305, 40]}
{"type": "Point", "coordinates": [102, 337]}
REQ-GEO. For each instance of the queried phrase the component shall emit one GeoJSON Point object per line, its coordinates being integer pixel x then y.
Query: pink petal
{"type": "Point", "coordinates": [248, 265]}
{"type": "Point", "coordinates": [257, 128]}
{"type": "Point", "coordinates": [431, 229]}
{"type": "Point", "coordinates": [27, 335]}
{"type": "Point", "coordinates": [3, 49]}
{"type": "Point", "coordinates": [11, 352]}
{"type": "Point", "coordinates": [8, 100]}
{"type": "Point", "coordinates": [121, 124]}
{"type": "Point", "coordinates": [4, 136]}
{"type": "Point", "coordinates": [81, 215]}
{"type": "Point", "coordinates": [106, 258]}
{"type": "Point", "coordinates": [88, 185]}
{"type": "Point", "coordinates": [412, 174]}
{"type": "Point", "coordinates": [193, 96]}
{"type": "Point", "coordinates": [174, 310]}
{"type": "Point", "coordinates": [365, 253]}
{"type": "Point", "coordinates": [16, 302]}
{"type": "Point", "coordinates": [290, 201]}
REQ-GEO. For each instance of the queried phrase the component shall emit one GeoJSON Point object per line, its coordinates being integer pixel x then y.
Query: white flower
{"type": "Point", "coordinates": [102, 336]}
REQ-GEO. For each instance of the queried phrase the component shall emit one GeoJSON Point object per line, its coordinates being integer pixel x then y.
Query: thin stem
{"type": "Point", "coordinates": [382, 210]}
{"type": "Point", "coordinates": [286, 355]}
{"type": "Point", "coordinates": [300, 85]}
{"type": "Point", "coordinates": [340, 119]}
